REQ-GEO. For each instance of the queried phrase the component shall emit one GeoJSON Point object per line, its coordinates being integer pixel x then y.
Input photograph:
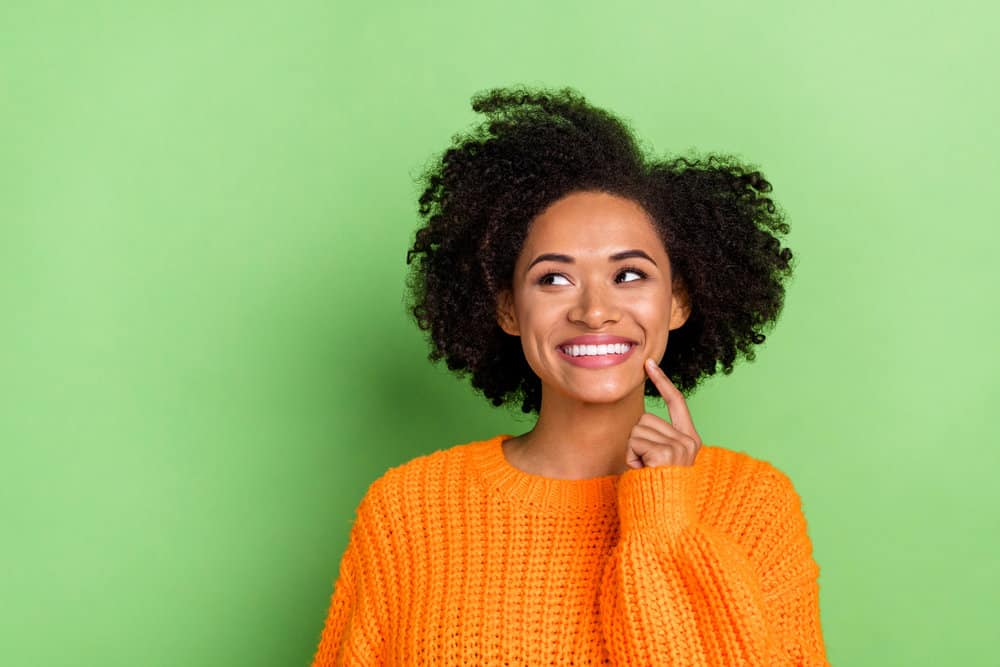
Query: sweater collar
{"type": "Point", "coordinates": [543, 493]}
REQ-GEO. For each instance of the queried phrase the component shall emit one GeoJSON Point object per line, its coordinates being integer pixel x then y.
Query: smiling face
{"type": "Point", "coordinates": [592, 297]}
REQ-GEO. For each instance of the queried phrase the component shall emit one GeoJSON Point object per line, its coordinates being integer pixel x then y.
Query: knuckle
{"type": "Point", "coordinates": [648, 419]}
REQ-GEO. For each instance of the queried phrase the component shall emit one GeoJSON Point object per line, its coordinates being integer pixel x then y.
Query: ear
{"type": "Point", "coordinates": [680, 308]}
{"type": "Point", "coordinates": [506, 316]}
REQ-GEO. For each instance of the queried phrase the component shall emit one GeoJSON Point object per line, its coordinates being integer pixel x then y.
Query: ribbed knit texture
{"type": "Point", "coordinates": [458, 558]}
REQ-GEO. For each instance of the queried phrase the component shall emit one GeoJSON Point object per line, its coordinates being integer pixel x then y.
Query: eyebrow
{"type": "Point", "coordinates": [566, 259]}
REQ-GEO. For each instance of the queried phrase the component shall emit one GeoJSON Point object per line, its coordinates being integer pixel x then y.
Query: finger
{"type": "Point", "coordinates": [675, 438]}
{"type": "Point", "coordinates": [666, 432]}
{"type": "Point", "coordinates": [659, 430]}
{"type": "Point", "coordinates": [661, 426]}
{"type": "Point", "coordinates": [639, 449]}
{"type": "Point", "coordinates": [648, 432]}
{"type": "Point", "coordinates": [676, 406]}
{"type": "Point", "coordinates": [651, 453]}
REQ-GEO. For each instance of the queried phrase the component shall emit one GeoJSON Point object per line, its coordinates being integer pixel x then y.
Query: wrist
{"type": "Point", "coordinates": [657, 499]}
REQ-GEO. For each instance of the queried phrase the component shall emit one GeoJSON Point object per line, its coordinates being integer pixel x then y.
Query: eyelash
{"type": "Point", "coordinates": [632, 269]}
{"type": "Point", "coordinates": [627, 269]}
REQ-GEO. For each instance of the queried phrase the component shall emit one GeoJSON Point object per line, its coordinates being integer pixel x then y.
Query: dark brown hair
{"type": "Point", "coordinates": [534, 147]}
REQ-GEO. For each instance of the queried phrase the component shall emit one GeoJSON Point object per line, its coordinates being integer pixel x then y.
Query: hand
{"type": "Point", "coordinates": [656, 442]}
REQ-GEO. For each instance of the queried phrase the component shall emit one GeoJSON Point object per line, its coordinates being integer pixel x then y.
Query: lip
{"type": "Point", "coordinates": [600, 360]}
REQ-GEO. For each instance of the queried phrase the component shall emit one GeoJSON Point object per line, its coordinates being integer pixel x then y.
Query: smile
{"type": "Point", "coordinates": [596, 356]}
{"type": "Point", "coordinates": [595, 350]}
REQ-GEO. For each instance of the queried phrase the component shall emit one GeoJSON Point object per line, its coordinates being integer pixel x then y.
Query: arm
{"type": "Point", "coordinates": [351, 633]}
{"type": "Point", "coordinates": [679, 591]}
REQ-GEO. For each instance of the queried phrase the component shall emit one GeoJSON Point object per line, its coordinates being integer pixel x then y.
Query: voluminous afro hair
{"type": "Point", "coordinates": [536, 146]}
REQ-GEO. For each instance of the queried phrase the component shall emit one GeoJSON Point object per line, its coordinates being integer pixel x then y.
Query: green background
{"type": "Point", "coordinates": [205, 358]}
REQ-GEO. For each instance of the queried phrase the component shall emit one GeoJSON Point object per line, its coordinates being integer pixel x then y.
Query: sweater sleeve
{"type": "Point", "coordinates": [681, 591]}
{"type": "Point", "coordinates": [352, 633]}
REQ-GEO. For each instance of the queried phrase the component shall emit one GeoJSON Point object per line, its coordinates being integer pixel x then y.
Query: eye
{"type": "Point", "coordinates": [552, 278]}
{"type": "Point", "coordinates": [629, 271]}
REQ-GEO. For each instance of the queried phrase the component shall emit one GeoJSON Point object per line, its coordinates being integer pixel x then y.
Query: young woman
{"type": "Point", "coordinates": [563, 270]}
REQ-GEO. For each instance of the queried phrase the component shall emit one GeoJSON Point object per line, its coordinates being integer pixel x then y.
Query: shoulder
{"type": "Point", "coordinates": [731, 462]}
{"type": "Point", "coordinates": [728, 474]}
{"type": "Point", "coordinates": [754, 502]}
{"type": "Point", "coordinates": [429, 475]}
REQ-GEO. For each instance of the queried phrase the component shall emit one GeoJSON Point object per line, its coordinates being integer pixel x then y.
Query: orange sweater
{"type": "Point", "coordinates": [458, 558]}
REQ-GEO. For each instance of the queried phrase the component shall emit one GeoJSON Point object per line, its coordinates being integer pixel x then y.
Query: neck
{"type": "Point", "coordinates": [575, 440]}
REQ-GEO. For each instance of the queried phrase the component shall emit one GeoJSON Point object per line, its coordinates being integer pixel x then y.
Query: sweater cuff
{"type": "Point", "coordinates": [656, 499]}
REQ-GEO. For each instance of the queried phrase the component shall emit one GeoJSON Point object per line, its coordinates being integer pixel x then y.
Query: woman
{"type": "Point", "coordinates": [555, 262]}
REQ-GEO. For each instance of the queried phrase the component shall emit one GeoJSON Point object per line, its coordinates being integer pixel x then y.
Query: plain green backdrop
{"type": "Point", "coordinates": [205, 358]}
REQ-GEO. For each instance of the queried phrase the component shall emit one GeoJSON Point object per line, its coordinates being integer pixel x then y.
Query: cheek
{"type": "Point", "coordinates": [537, 317]}
{"type": "Point", "coordinates": [652, 312]}
{"type": "Point", "coordinates": [536, 358]}
{"type": "Point", "coordinates": [536, 327]}
{"type": "Point", "coordinates": [534, 340]}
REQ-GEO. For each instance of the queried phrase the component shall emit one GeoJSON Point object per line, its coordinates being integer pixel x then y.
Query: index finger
{"type": "Point", "coordinates": [677, 408]}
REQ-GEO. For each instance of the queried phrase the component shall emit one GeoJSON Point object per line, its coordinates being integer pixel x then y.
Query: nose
{"type": "Point", "coordinates": [595, 308]}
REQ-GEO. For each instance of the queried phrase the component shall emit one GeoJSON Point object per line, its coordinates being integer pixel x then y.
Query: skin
{"type": "Point", "coordinates": [592, 421]}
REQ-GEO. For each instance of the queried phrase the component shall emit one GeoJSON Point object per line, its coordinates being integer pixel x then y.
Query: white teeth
{"type": "Point", "coordinates": [596, 350]}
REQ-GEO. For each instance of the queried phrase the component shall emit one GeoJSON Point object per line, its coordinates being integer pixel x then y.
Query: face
{"type": "Point", "coordinates": [592, 297]}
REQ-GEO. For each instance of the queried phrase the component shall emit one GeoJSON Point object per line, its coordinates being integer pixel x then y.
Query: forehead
{"type": "Point", "coordinates": [597, 223]}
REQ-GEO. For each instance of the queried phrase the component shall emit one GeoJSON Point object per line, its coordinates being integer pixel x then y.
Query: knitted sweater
{"type": "Point", "coordinates": [459, 558]}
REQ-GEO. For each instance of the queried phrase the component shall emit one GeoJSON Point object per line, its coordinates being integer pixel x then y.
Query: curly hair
{"type": "Point", "coordinates": [536, 146]}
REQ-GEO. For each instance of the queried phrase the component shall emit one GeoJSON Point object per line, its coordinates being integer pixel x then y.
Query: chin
{"type": "Point", "coordinates": [610, 389]}
{"type": "Point", "coordinates": [604, 395]}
